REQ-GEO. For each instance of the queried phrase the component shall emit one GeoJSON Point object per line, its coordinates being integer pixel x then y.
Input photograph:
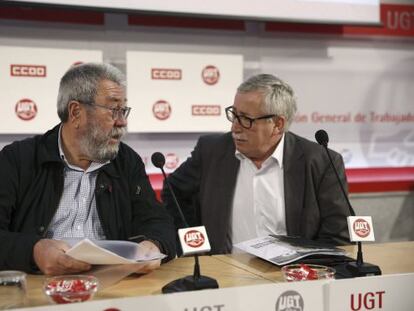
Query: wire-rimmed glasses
{"type": "Point", "coordinates": [117, 113]}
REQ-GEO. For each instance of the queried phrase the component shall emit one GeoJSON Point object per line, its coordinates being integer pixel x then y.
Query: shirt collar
{"type": "Point", "coordinates": [276, 155]}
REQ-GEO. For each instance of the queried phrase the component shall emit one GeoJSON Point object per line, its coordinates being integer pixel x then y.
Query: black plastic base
{"type": "Point", "coordinates": [190, 283]}
{"type": "Point", "coordinates": [364, 269]}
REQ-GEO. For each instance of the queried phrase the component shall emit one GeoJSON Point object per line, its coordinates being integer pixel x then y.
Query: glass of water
{"type": "Point", "coordinates": [12, 289]}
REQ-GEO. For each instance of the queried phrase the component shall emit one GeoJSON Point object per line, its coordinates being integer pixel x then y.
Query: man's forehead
{"type": "Point", "coordinates": [110, 85]}
{"type": "Point", "coordinates": [248, 102]}
{"type": "Point", "coordinates": [111, 90]}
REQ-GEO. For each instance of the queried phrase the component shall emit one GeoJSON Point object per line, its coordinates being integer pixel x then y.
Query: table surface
{"type": "Point", "coordinates": [229, 270]}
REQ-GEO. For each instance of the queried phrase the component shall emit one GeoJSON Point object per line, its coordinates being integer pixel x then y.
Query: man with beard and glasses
{"type": "Point", "coordinates": [260, 179]}
{"type": "Point", "coordinates": [78, 180]}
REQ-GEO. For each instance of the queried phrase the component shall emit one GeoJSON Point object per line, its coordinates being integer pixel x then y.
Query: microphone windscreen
{"type": "Point", "coordinates": [158, 159]}
{"type": "Point", "coordinates": [322, 138]}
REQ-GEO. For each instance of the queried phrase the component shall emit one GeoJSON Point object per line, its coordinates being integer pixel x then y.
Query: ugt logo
{"type": "Point", "coordinates": [194, 238]}
{"type": "Point", "coordinates": [361, 228]}
{"type": "Point", "coordinates": [290, 301]}
{"type": "Point", "coordinates": [210, 74]}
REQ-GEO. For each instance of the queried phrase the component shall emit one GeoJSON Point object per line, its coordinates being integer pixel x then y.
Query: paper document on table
{"type": "Point", "coordinates": [282, 250]}
{"type": "Point", "coordinates": [110, 252]}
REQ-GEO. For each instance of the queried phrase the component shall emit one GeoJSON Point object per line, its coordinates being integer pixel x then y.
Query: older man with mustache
{"type": "Point", "coordinates": [260, 179]}
{"type": "Point", "coordinates": [78, 180]}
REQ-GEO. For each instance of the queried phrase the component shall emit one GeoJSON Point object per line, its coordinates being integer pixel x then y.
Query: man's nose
{"type": "Point", "coordinates": [121, 122]}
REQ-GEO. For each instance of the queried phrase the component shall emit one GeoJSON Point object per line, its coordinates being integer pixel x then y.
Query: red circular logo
{"type": "Point", "coordinates": [77, 63]}
{"type": "Point", "coordinates": [361, 228]}
{"type": "Point", "coordinates": [171, 161]}
{"type": "Point", "coordinates": [161, 110]}
{"type": "Point", "coordinates": [194, 238]}
{"type": "Point", "coordinates": [210, 74]}
{"type": "Point", "coordinates": [26, 109]}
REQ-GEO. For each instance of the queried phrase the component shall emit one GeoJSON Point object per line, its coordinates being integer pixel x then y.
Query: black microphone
{"type": "Point", "coordinates": [322, 138]}
{"type": "Point", "coordinates": [358, 268]}
{"type": "Point", "coordinates": [158, 160]}
{"type": "Point", "coordinates": [190, 282]}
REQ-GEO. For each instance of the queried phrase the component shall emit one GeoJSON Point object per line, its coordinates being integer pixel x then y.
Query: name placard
{"type": "Point", "coordinates": [279, 297]}
{"type": "Point", "coordinates": [387, 292]}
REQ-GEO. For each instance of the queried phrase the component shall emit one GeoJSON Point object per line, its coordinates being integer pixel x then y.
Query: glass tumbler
{"type": "Point", "coordinates": [12, 289]}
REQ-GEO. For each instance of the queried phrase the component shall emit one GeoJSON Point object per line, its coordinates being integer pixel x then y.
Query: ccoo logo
{"type": "Point", "coordinates": [210, 75]}
{"type": "Point", "coordinates": [361, 228]}
{"type": "Point", "coordinates": [290, 301]}
{"type": "Point", "coordinates": [161, 110]}
{"type": "Point", "coordinates": [26, 109]}
{"type": "Point", "coordinates": [165, 74]}
{"type": "Point", "coordinates": [205, 110]}
{"type": "Point", "coordinates": [31, 71]}
{"type": "Point", "coordinates": [194, 238]}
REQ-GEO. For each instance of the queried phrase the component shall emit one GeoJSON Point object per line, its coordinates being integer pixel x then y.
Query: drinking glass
{"type": "Point", "coordinates": [12, 289]}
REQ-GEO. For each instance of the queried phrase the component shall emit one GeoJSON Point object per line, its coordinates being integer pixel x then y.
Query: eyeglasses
{"type": "Point", "coordinates": [117, 113]}
{"type": "Point", "coordinates": [244, 121]}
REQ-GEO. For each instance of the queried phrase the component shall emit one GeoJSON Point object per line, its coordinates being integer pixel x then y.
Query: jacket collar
{"type": "Point", "coordinates": [48, 148]}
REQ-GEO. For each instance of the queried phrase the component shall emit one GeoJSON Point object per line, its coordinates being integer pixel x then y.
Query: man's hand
{"type": "Point", "coordinates": [49, 256]}
{"type": "Point", "coordinates": [148, 248]}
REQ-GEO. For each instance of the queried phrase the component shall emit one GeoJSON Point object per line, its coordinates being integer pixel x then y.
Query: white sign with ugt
{"type": "Point", "coordinates": [360, 228]}
{"type": "Point", "coordinates": [194, 240]}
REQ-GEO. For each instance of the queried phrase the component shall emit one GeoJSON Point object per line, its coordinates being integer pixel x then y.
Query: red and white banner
{"type": "Point", "coordinates": [181, 92]}
{"type": "Point", "coordinates": [397, 20]}
{"type": "Point", "coordinates": [30, 81]}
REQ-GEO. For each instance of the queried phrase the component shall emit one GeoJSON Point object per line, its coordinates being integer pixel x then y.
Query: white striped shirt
{"type": "Point", "coordinates": [77, 216]}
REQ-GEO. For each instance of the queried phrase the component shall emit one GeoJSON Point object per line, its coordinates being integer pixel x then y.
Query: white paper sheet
{"type": "Point", "coordinates": [109, 252]}
{"type": "Point", "coordinates": [278, 251]}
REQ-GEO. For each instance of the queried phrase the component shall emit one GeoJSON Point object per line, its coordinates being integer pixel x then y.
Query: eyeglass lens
{"type": "Point", "coordinates": [121, 113]}
{"type": "Point", "coordinates": [243, 121]}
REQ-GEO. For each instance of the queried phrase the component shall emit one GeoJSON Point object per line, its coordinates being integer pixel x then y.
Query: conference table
{"type": "Point", "coordinates": [233, 270]}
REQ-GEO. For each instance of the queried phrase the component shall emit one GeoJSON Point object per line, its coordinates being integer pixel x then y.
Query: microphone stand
{"type": "Point", "coordinates": [189, 282]}
{"type": "Point", "coordinates": [359, 267]}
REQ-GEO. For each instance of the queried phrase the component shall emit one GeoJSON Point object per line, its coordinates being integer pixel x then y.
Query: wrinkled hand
{"type": "Point", "coordinates": [148, 248]}
{"type": "Point", "coordinates": [49, 255]}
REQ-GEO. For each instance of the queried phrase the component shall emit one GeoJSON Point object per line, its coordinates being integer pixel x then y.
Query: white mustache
{"type": "Point", "coordinates": [118, 132]}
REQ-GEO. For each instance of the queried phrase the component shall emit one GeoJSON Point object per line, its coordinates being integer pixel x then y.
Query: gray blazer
{"type": "Point", "coordinates": [204, 186]}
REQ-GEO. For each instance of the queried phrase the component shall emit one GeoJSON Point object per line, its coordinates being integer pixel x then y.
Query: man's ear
{"type": "Point", "coordinates": [279, 125]}
{"type": "Point", "coordinates": [74, 111]}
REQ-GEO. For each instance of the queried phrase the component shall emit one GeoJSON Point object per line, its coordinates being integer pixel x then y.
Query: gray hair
{"type": "Point", "coordinates": [278, 96]}
{"type": "Point", "coordinates": [80, 83]}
